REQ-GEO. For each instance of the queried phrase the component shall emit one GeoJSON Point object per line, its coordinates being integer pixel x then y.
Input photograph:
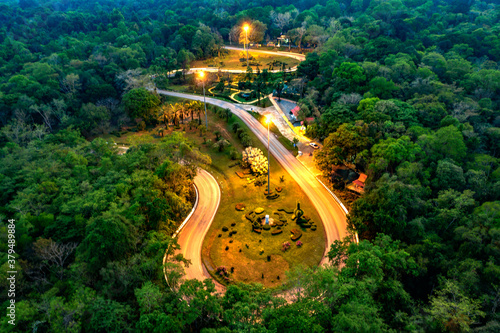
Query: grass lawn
{"type": "Point", "coordinates": [249, 263]}
{"type": "Point", "coordinates": [232, 61]}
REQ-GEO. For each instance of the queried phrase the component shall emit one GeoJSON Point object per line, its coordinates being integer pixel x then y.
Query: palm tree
{"type": "Point", "coordinates": [278, 86]}
{"type": "Point", "coordinates": [191, 109]}
{"type": "Point", "coordinates": [199, 111]}
{"type": "Point", "coordinates": [162, 114]}
{"type": "Point", "coordinates": [228, 114]}
{"type": "Point", "coordinates": [185, 111]}
{"type": "Point", "coordinates": [196, 107]}
{"type": "Point", "coordinates": [172, 112]}
{"type": "Point", "coordinates": [259, 87]}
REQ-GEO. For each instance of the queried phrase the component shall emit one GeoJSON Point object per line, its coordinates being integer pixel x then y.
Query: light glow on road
{"type": "Point", "coordinates": [268, 119]}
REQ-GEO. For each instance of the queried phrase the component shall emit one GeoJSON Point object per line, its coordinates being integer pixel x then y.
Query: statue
{"type": "Point", "coordinates": [298, 213]}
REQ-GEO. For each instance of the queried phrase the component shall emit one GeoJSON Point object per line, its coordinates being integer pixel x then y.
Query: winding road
{"type": "Point", "coordinates": [331, 211]}
{"type": "Point", "coordinates": [298, 56]}
{"type": "Point", "coordinates": [332, 214]}
{"type": "Point", "coordinates": [192, 234]}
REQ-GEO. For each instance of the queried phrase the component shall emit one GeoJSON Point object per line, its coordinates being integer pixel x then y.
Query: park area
{"type": "Point", "coordinates": [239, 246]}
{"type": "Point", "coordinates": [237, 60]}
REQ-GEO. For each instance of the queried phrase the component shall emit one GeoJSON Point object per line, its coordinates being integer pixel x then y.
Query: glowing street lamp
{"type": "Point", "coordinates": [246, 27]}
{"type": "Point", "coordinates": [268, 121]}
{"type": "Point", "coordinates": [201, 74]}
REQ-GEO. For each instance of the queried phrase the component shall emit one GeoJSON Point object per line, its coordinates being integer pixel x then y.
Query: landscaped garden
{"type": "Point", "coordinates": [237, 60]}
{"type": "Point", "coordinates": [240, 245]}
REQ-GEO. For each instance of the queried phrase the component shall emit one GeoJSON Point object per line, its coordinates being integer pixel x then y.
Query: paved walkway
{"type": "Point", "coordinates": [278, 120]}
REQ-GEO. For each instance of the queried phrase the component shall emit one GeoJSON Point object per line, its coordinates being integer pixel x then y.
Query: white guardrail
{"type": "Point", "coordinates": [190, 214]}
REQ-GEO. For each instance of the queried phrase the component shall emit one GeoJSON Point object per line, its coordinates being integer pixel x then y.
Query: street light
{"type": "Point", "coordinates": [201, 74]}
{"type": "Point", "coordinates": [246, 27]}
{"type": "Point", "coordinates": [268, 121]}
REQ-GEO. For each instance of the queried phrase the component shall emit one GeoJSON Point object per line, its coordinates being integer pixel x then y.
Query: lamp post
{"type": "Point", "coordinates": [202, 76]}
{"type": "Point", "coordinates": [268, 122]}
{"type": "Point", "coordinates": [246, 27]}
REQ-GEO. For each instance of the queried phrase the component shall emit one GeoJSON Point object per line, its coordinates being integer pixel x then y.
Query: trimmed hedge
{"type": "Point", "coordinates": [273, 196]}
{"type": "Point", "coordinates": [276, 232]}
{"type": "Point", "coordinates": [259, 210]}
{"type": "Point", "coordinates": [240, 206]}
{"type": "Point", "coordinates": [285, 210]}
{"type": "Point", "coordinates": [296, 234]}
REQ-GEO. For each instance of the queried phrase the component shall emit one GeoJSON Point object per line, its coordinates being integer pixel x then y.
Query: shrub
{"type": "Point", "coordinates": [262, 180]}
{"type": "Point", "coordinates": [276, 232]}
{"type": "Point", "coordinates": [285, 246]}
{"type": "Point", "coordinates": [299, 243]}
{"type": "Point", "coordinates": [258, 230]}
{"type": "Point", "coordinates": [225, 229]}
{"type": "Point", "coordinates": [296, 234]}
{"type": "Point", "coordinates": [240, 206]}
{"type": "Point", "coordinates": [285, 210]}
{"type": "Point", "coordinates": [221, 271]}
{"type": "Point", "coordinates": [246, 140]}
{"type": "Point", "coordinates": [234, 155]}
{"type": "Point", "coordinates": [259, 210]}
{"type": "Point", "coordinates": [141, 126]}
{"type": "Point", "coordinates": [266, 227]}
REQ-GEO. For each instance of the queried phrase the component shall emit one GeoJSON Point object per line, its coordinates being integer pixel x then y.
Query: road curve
{"type": "Point", "coordinates": [331, 213]}
{"type": "Point", "coordinates": [297, 56]}
{"type": "Point", "coordinates": [191, 237]}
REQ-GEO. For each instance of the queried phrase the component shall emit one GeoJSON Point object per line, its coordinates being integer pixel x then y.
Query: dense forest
{"type": "Point", "coordinates": [406, 91]}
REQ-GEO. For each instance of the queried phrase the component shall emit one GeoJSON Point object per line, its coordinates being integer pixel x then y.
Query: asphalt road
{"type": "Point", "coordinates": [191, 237]}
{"type": "Point", "coordinates": [331, 213]}
{"type": "Point", "coordinates": [298, 56]}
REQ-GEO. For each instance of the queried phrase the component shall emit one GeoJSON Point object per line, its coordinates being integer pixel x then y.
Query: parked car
{"type": "Point", "coordinates": [314, 145]}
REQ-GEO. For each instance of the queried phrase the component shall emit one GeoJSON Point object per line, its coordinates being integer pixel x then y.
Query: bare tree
{"type": "Point", "coordinates": [297, 35]}
{"type": "Point", "coordinates": [59, 109]}
{"type": "Point", "coordinates": [133, 78]}
{"type": "Point", "coordinates": [45, 111]}
{"type": "Point", "coordinates": [70, 83]}
{"type": "Point", "coordinates": [281, 20]}
{"type": "Point", "coordinates": [353, 98]}
{"type": "Point", "coordinates": [54, 253]}
{"type": "Point", "coordinates": [234, 34]}
{"type": "Point", "coordinates": [464, 110]}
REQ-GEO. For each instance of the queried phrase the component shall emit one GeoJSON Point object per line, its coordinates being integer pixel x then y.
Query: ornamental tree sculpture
{"type": "Point", "coordinates": [253, 158]}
